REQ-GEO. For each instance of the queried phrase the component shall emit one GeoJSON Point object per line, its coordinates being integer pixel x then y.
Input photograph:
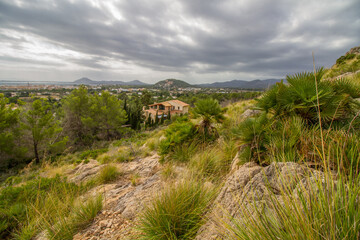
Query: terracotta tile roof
{"type": "Point", "coordinates": [178, 102]}
{"type": "Point", "coordinates": [170, 103]}
{"type": "Point", "coordinates": [166, 104]}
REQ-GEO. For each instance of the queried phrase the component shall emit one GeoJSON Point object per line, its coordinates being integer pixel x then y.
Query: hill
{"type": "Point", "coordinates": [172, 83]}
{"type": "Point", "coordinates": [254, 84]}
{"type": "Point", "coordinates": [87, 81]}
{"type": "Point", "coordinates": [346, 65]}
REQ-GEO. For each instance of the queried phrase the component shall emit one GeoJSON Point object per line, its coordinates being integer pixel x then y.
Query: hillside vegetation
{"type": "Point", "coordinates": [171, 84]}
{"type": "Point", "coordinates": [282, 166]}
{"type": "Point", "coordinates": [347, 64]}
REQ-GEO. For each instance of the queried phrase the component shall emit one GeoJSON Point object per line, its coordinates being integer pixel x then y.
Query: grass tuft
{"type": "Point", "coordinates": [108, 174]}
{"type": "Point", "coordinates": [177, 213]}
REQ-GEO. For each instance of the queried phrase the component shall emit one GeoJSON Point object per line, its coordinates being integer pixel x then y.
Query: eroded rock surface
{"type": "Point", "coordinates": [247, 185]}
{"type": "Point", "coordinates": [123, 201]}
{"type": "Point", "coordinates": [84, 171]}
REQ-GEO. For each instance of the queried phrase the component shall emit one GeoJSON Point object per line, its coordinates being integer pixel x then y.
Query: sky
{"type": "Point", "coordinates": [198, 41]}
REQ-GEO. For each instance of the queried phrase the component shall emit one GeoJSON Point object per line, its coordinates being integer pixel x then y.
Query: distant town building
{"type": "Point", "coordinates": [175, 107]}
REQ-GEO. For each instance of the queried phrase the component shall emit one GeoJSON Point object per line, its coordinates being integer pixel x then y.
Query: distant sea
{"type": "Point", "coordinates": [22, 83]}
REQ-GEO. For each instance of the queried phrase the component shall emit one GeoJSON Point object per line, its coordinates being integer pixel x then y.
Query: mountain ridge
{"type": "Point", "coordinates": [253, 84]}
{"type": "Point", "coordinates": [88, 81]}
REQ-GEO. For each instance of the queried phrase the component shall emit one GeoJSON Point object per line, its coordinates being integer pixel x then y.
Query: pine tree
{"type": "Point", "coordinates": [107, 115]}
{"type": "Point", "coordinates": [76, 109]}
{"type": "Point", "coordinates": [9, 120]}
{"type": "Point", "coordinates": [43, 128]}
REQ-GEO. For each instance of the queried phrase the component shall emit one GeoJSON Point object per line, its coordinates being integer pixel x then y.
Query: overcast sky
{"type": "Point", "coordinates": [150, 40]}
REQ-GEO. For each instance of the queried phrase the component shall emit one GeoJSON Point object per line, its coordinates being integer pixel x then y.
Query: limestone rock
{"type": "Point", "coordinates": [250, 184]}
{"type": "Point", "coordinates": [250, 113]}
{"type": "Point", "coordinates": [123, 201]}
{"type": "Point", "coordinates": [355, 50]}
{"type": "Point", "coordinates": [85, 171]}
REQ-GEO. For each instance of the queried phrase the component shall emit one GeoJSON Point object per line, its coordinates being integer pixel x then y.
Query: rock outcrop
{"type": "Point", "coordinates": [250, 113]}
{"type": "Point", "coordinates": [248, 186]}
{"type": "Point", "coordinates": [84, 171]}
{"type": "Point", "coordinates": [354, 50]}
{"type": "Point", "coordinates": [124, 200]}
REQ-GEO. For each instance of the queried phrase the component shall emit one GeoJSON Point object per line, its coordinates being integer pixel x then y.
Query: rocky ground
{"type": "Point", "coordinates": [124, 200]}
{"type": "Point", "coordinates": [141, 180]}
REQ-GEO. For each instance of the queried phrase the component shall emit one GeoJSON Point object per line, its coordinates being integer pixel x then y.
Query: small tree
{"type": "Point", "coordinates": [9, 120]}
{"type": "Point", "coordinates": [76, 108]}
{"type": "Point", "coordinates": [44, 130]}
{"type": "Point", "coordinates": [149, 120]}
{"type": "Point", "coordinates": [107, 114]}
{"type": "Point", "coordinates": [146, 98]}
{"type": "Point", "coordinates": [156, 118]}
{"type": "Point", "coordinates": [169, 115]}
{"type": "Point", "coordinates": [162, 118]}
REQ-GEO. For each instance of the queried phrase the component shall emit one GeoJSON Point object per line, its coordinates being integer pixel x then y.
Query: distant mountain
{"type": "Point", "coordinates": [87, 81]}
{"type": "Point", "coordinates": [172, 83]}
{"type": "Point", "coordinates": [254, 84]}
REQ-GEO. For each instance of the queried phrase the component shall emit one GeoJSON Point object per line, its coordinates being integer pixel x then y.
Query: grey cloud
{"type": "Point", "coordinates": [242, 39]}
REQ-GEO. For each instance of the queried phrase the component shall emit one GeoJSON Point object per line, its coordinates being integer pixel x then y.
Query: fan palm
{"type": "Point", "coordinates": [210, 111]}
{"type": "Point", "coordinates": [299, 98]}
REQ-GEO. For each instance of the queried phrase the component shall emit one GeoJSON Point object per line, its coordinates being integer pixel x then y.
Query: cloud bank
{"type": "Point", "coordinates": [194, 40]}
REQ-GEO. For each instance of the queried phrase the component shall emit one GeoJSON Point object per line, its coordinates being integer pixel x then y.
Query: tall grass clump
{"type": "Point", "coordinates": [108, 174]}
{"type": "Point", "coordinates": [211, 162]}
{"type": "Point", "coordinates": [323, 206]}
{"type": "Point", "coordinates": [24, 208]}
{"type": "Point", "coordinates": [64, 227]}
{"type": "Point", "coordinates": [183, 152]}
{"type": "Point", "coordinates": [177, 213]}
{"type": "Point", "coordinates": [153, 142]}
{"type": "Point", "coordinates": [45, 204]}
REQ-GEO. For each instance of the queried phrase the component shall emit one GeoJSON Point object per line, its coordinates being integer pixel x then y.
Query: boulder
{"type": "Point", "coordinates": [249, 186]}
{"type": "Point", "coordinates": [250, 113]}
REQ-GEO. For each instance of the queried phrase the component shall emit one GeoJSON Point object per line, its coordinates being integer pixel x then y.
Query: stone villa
{"type": "Point", "coordinates": [175, 107]}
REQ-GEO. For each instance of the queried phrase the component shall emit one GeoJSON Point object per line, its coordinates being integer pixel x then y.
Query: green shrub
{"type": "Point", "coordinates": [180, 131]}
{"type": "Point", "coordinates": [92, 153]}
{"type": "Point", "coordinates": [177, 213]}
